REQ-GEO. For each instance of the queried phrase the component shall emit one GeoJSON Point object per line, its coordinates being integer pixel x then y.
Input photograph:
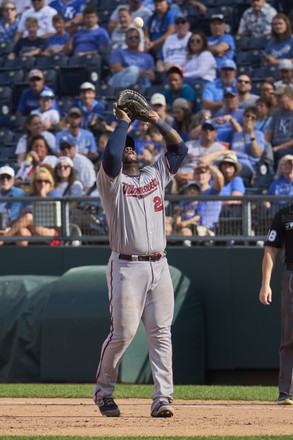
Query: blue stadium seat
{"type": "Point", "coordinates": [249, 58]}
{"type": "Point", "coordinates": [6, 135]}
{"type": "Point", "coordinates": [10, 77]}
{"type": "Point", "coordinates": [24, 63]}
{"type": "Point", "coordinates": [70, 78]}
{"type": "Point", "coordinates": [7, 152]}
{"type": "Point", "coordinates": [241, 42]}
{"type": "Point", "coordinates": [259, 42]}
{"type": "Point", "coordinates": [64, 104]}
{"type": "Point", "coordinates": [52, 62]}
{"type": "Point", "coordinates": [6, 48]}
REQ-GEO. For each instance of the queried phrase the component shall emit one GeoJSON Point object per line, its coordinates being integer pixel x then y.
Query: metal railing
{"type": "Point", "coordinates": [76, 221]}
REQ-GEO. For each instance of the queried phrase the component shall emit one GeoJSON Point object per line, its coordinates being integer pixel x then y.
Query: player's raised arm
{"type": "Point", "coordinates": [176, 148]}
{"type": "Point", "coordinates": [112, 158]}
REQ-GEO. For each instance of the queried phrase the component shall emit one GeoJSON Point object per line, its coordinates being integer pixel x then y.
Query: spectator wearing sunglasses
{"type": "Point", "coordinates": [43, 13]}
{"type": "Point", "coordinates": [29, 98]}
{"type": "Point", "coordinates": [42, 185]}
{"type": "Point", "coordinates": [245, 97]}
{"type": "Point", "coordinates": [8, 22]}
{"type": "Point", "coordinates": [66, 183]}
{"type": "Point", "coordinates": [200, 66]}
{"type": "Point", "coordinates": [174, 50]}
{"type": "Point", "coordinates": [130, 66]}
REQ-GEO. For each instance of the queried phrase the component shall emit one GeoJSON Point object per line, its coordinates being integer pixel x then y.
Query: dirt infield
{"type": "Point", "coordinates": [80, 417]}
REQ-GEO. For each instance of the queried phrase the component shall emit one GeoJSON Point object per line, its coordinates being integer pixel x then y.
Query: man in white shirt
{"type": "Point", "coordinates": [43, 14]}
{"type": "Point", "coordinates": [174, 50]}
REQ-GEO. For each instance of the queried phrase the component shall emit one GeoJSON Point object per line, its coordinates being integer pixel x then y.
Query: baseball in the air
{"type": "Point", "coordinates": [138, 21]}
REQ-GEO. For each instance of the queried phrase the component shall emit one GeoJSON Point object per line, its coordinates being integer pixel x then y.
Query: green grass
{"type": "Point", "coordinates": [186, 392]}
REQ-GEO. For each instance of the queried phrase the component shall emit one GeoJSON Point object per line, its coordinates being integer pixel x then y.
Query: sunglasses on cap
{"type": "Point", "coordinates": [180, 21]}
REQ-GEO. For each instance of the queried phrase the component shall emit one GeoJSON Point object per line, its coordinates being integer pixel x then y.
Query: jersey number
{"type": "Point", "coordinates": [158, 205]}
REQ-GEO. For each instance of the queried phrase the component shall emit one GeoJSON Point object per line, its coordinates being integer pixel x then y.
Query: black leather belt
{"type": "Point", "coordinates": [290, 266]}
{"type": "Point", "coordinates": [152, 257]}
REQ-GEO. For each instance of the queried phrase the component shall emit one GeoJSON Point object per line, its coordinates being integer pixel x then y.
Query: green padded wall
{"type": "Point", "coordinates": [76, 322]}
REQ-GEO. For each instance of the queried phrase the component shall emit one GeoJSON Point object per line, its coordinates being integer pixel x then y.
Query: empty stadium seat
{"type": "Point", "coordinates": [24, 63]}
{"type": "Point", "coordinates": [6, 135]}
{"type": "Point", "coordinates": [52, 62]}
{"type": "Point", "coordinates": [10, 77]}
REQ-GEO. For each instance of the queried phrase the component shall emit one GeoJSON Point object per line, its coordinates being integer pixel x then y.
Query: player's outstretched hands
{"type": "Point", "coordinates": [119, 114]}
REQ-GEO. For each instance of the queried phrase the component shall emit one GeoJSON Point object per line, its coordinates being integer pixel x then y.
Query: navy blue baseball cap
{"type": "Point", "coordinates": [129, 142]}
{"type": "Point", "coordinates": [230, 91]}
{"type": "Point", "coordinates": [209, 123]}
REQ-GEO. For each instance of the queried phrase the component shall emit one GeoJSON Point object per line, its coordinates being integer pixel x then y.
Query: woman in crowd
{"type": "Point", "coordinates": [42, 185]}
{"type": "Point", "coordinates": [264, 110]}
{"type": "Point", "coordinates": [233, 183]}
{"type": "Point", "coordinates": [66, 183]}
{"type": "Point", "coordinates": [283, 183]}
{"type": "Point", "coordinates": [182, 117]}
{"type": "Point", "coordinates": [33, 127]}
{"type": "Point", "coordinates": [281, 44]}
{"type": "Point", "coordinates": [38, 153]}
{"type": "Point", "coordinates": [200, 65]}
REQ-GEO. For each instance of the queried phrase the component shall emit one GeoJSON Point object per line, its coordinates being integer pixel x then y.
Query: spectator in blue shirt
{"type": "Point", "coordinates": [211, 182]}
{"type": "Point", "coordinates": [56, 43]}
{"type": "Point", "coordinates": [230, 110]}
{"type": "Point", "coordinates": [178, 89]}
{"type": "Point", "coordinates": [233, 183]}
{"type": "Point", "coordinates": [221, 44]}
{"type": "Point", "coordinates": [10, 210]}
{"type": "Point", "coordinates": [71, 10]}
{"type": "Point", "coordinates": [90, 39]}
{"type": "Point", "coordinates": [130, 66]}
{"type": "Point", "coordinates": [213, 92]}
{"type": "Point", "coordinates": [90, 107]}
{"type": "Point", "coordinates": [29, 98]}
{"type": "Point", "coordinates": [8, 23]}
{"type": "Point", "coordinates": [159, 26]}
{"type": "Point", "coordinates": [281, 45]}
{"type": "Point", "coordinates": [75, 135]}
{"type": "Point", "coordinates": [248, 144]}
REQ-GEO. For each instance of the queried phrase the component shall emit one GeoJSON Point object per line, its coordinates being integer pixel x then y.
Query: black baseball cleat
{"type": "Point", "coordinates": [162, 409]}
{"type": "Point", "coordinates": [108, 407]}
{"type": "Point", "coordinates": [285, 399]}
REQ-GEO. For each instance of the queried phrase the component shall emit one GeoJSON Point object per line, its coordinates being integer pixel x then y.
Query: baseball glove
{"type": "Point", "coordinates": [134, 104]}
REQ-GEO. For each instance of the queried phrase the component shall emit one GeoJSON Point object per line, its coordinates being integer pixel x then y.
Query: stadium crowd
{"type": "Point", "coordinates": [220, 72]}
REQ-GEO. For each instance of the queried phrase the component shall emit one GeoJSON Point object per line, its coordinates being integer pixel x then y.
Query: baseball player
{"type": "Point", "coordinates": [138, 276]}
{"type": "Point", "coordinates": [281, 235]}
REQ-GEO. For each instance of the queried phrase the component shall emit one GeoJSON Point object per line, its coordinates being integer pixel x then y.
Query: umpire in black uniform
{"type": "Point", "coordinates": [280, 236]}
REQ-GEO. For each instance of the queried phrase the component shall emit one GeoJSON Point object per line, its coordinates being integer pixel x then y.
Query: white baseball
{"type": "Point", "coordinates": [138, 21]}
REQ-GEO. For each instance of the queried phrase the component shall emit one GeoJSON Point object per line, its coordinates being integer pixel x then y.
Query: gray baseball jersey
{"type": "Point", "coordinates": [136, 201]}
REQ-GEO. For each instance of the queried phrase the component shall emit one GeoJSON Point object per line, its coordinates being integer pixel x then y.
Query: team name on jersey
{"type": "Point", "coordinates": [141, 191]}
{"type": "Point", "coordinates": [288, 226]}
